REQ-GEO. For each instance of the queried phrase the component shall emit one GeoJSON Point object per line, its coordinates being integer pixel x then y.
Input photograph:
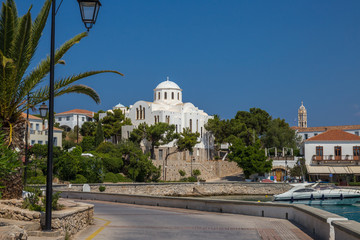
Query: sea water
{"type": "Point", "coordinates": [352, 212]}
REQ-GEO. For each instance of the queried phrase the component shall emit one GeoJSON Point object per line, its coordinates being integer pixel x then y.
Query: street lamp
{"type": "Point", "coordinates": [87, 8]}
{"type": "Point", "coordinates": [43, 111]}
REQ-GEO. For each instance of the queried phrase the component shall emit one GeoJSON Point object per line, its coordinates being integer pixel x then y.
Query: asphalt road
{"type": "Point", "coordinates": [126, 221]}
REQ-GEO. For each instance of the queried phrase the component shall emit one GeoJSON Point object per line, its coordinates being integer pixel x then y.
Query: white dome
{"type": "Point", "coordinates": [167, 85]}
{"type": "Point", "coordinates": [119, 105]}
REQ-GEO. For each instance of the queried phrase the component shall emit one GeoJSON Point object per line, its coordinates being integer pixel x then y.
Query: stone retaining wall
{"type": "Point", "coordinates": [69, 220]}
{"type": "Point", "coordinates": [209, 169]}
{"type": "Point", "coordinates": [188, 189]}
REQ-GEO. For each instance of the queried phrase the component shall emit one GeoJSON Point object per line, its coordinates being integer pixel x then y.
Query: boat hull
{"type": "Point", "coordinates": [333, 201]}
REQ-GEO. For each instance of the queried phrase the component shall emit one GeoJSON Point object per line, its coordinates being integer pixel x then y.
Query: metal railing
{"type": "Point", "coordinates": [336, 158]}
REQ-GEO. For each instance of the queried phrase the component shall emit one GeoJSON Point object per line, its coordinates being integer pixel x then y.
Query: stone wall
{"type": "Point", "coordinates": [188, 189]}
{"type": "Point", "coordinates": [70, 220]}
{"type": "Point", "coordinates": [209, 169]}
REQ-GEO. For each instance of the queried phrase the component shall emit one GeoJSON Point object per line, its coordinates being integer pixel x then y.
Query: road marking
{"type": "Point", "coordinates": [100, 229]}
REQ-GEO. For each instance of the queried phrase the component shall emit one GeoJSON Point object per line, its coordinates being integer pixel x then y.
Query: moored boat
{"type": "Point", "coordinates": [317, 195]}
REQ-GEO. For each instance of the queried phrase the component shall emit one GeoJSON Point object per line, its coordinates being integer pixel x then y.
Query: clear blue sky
{"type": "Point", "coordinates": [225, 55]}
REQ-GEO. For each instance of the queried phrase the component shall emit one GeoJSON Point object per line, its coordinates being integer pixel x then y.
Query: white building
{"type": "Point", "coordinates": [168, 107]}
{"type": "Point", "coordinates": [38, 133]}
{"type": "Point", "coordinates": [76, 117]}
{"type": "Point", "coordinates": [334, 152]}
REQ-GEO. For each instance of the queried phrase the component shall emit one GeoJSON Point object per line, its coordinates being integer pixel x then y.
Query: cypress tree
{"type": "Point", "coordinates": [99, 135]}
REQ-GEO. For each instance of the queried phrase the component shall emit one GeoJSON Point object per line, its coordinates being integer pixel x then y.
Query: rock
{"type": "Point", "coordinates": [12, 233]}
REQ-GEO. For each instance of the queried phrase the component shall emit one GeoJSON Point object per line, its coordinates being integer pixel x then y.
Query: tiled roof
{"type": "Point", "coordinates": [335, 135]}
{"type": "Point", "coordinates": [323, 129]}
{"type": "Point", "coordinates": [77, 111]}
{"type": "Point", "coordinates": [30, 116]}
{"type": "Point", "coordinates": [55, 128]}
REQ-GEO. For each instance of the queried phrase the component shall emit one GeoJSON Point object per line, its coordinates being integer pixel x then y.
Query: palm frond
{"type": "Point", "coordinates": [43, 68]}
{"type": "Point", "coordinates": [80, 88]}
{"type": "Point", "coordinates": [61, 85]}
{"type": "Point", "coordinates": [39, 24]}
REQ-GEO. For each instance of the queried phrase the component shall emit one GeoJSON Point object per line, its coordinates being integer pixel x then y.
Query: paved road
{"type": "Point", "coordinates": [126, 221]}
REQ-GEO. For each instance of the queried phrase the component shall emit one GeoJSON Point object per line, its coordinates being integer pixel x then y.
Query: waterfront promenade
{"type": "Point", "coordinates": [127, 221]}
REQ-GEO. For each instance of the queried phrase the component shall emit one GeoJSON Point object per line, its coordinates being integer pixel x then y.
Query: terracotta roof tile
{"type": "Point", "coordinates": [335, 135]}
{"type": "Point", "coordinates": [77, 111]}
{"type": "Point", "coordinates": [30, 116]}
{"type": "Point", "coordinates": [323, 129]}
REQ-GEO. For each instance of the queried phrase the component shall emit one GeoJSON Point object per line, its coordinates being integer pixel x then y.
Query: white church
{"type": "Point", "coordinates": [168, 107]}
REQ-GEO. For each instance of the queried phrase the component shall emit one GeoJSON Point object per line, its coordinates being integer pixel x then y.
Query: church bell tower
{"type": "Point", "coordinates": [302, 116]}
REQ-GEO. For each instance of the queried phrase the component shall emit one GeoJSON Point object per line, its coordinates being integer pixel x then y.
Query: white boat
{"type": "Point", "coordinates": [313, 194]}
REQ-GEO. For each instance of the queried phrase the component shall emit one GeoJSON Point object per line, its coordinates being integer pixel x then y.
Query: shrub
{"type": "Point", "coordinates": [192, 179]}
{"type": "Point", "coordinates": [31, 201]}
{"type": "Point", "coordinates": [110, 177]}
{"type": "Point", "coordinates": [196, 172]}
{"type": "Point", "coordinates": [182, 173]}
{"type": "Point", "coordinates": [122, 178]}
{"type": "Point", "coordinates": [88, 143]}
{"type": "Point", "coordinates": [102, 188]}
{"type": "Point", "coordinates": [105, 147]}
{"type": "Point", "coordinates": [54, 203]}
{"type": "Point", "coordinates": [37, 180]}
{"type": "Point", "coordinates": [79, 179]}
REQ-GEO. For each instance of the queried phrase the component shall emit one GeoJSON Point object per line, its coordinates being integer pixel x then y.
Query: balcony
{"type": "Point", "coordinates": [335, 160]}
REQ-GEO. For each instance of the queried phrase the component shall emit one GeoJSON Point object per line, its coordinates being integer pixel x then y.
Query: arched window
{"type": "Point", "coordinates": [137, 113]}
{"type": "Point", "coordinates": [190, 125]}
{"type": "Point", "coordinates": [159, 96]}
{"type": "Point", "coordinates": [155, 118]}
{"type": "Point", "coordinates": [165, 96]}
{"type": "Point", "coordinates": [201, 132]}
{"type": "Point", "coordinates": [178, 96]}
{"type": "Point", "coordinates": [158, 119]}
{"type": "Point", "coordinates": [172, 95]}
{"type": "Point", "coordinates": [143, 113]}
{"type": "Point", "coordinates": [140, 112]}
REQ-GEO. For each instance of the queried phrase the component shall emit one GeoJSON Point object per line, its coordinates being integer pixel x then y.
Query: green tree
{"type": "Point", "coordinates": [88, 129]}
{"type": "Point", "coordinates": [250, 158]}
{"type": "Point", "coordinates": [19, 38]}
{"type": "Point", "coordinates": [157, 135]}
{"type": "Point", "coordinates": [99, 135]}
{"type": "Point", "coordinates": [88, 143]}
{"type": "Point", "coordinates": [137, 165]}
{"type": "Point", "coordinates": [185, 141]}
{"type": "Point", "coordinates": [279, 135]}
{"type": "Point", "coordinates": [112, 123]}
{"type": "Point", "coordinates": [256, 119]}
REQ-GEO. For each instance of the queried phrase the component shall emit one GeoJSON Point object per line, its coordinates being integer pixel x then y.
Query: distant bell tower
{"type": "Point", "coordinates": [302, 116]}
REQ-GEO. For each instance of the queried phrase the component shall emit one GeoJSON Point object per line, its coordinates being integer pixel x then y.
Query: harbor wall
{"type": "Point", "coordinates": [187, 189]}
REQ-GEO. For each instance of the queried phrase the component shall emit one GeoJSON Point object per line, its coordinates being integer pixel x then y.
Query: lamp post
{"type": "Point", "coordinates": [89, 10]}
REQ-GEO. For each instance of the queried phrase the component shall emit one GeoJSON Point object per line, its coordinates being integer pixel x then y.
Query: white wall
{"type": "Point", "coordinates": [328, 148]}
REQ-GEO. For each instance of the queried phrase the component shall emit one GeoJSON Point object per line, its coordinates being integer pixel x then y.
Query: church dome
{"type": "Point", "coordinates": [119, 105]}
{"type": "Point", "coordinates": [167, 85]}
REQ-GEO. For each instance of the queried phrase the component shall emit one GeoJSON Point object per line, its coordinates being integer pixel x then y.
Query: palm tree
{"type": "Point", "coordinates": [19, 38]}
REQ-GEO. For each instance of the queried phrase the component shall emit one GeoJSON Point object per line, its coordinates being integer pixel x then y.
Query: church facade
{"type": "Point", "coordinates": [168, 107]}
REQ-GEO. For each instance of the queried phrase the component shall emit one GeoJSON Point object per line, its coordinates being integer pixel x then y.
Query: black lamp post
{"type": "Point", "coordinates": [43, 111]}
{"type": "Point", "coordinates": [89, 10]}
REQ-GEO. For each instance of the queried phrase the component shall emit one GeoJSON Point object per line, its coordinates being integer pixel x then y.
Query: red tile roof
{"type": "Point", "coordinates": [335, 135]}
{"type": "Point", "coordinates": [30, 116]}
{"type": "Point", "coordinates": [55, 128]}
{"type": "Point", "coordinates": [323, 129]}
{"type": "Point", "coordinates": [77, 111]}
